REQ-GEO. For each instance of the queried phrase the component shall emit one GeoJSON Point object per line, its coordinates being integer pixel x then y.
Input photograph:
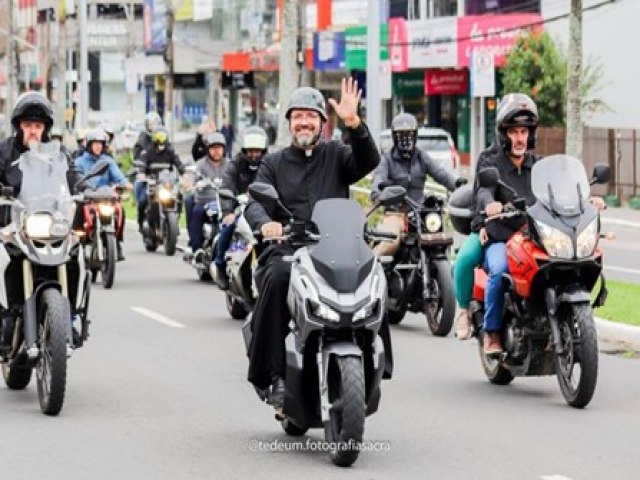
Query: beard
{"type": "Point", "coordinates": [305, 139]}
{"type": "Point", "coordinates": [518, 150]}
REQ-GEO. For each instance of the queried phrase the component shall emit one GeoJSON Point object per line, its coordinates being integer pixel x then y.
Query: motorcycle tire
{"type": "Point", "coordinates": [236, 308]}
{"type": "Point", "coordinates": [51, 369]}
{"type": "Point", "coordinates": [204, 276]}
{"type": "Point", "coordinates": [17, 377]}
{"type": "Point", "coordinates": [395, 316]}
{"type": "Point", "coordinates": [578, 387]}
{"type": "Point", "coordinates": [493, 368]}
{"type": "Point", "coordinates": [170, 233]}
{"type": "Point", "coordinates": [346, 423]}
{"type": "Point", "coordinates": [440, 319]}
{"type": "Point", "coordinates": [292, 429]}
{"type": "Point", "coordinates": [109, 262]}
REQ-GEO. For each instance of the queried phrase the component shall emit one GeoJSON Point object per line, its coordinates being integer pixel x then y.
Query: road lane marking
{"type": "Point", "coordinates": [622, 269]}
{"type": "Point", "coordinates": [555, 477]}
{"type": "Point", "coordinates": [157, 317]}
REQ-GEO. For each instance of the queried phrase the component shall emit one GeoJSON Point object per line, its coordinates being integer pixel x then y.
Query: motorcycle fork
{"type": "Point", "coordinates": [98, 249]}
{"type": "Point", "coordinates": [550, 299]}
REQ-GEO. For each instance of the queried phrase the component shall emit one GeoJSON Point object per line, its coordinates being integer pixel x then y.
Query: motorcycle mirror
{"type": "Point", "coordinates": [601, 174]}
{"type": "Point", "coordinates": [488, 177]}
{"type": "Point", "coordinates": [392, 194]}
{"type": "Point", "coordinates": [520, 204]}
{"type": "Point", "coordinates": [263, 192]}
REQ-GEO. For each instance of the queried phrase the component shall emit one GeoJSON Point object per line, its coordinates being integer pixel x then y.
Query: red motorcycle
{"type": "Point", "coordinates": [103, 223]}
{"type": "Point", "coordinates": [554, 262]}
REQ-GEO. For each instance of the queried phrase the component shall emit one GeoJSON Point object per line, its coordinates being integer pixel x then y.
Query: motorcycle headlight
{"type": "Point", "coordinates": [433, 222]}
{"type": "Point", "coordinates": [587, 240]}
{"type": "Point", "coordinates": [556, 243]}
{"type": "Point", "coordinates": [38, 225]}
{"type": "Point", "coordinates": [316, 306]}
{"type": "Point", "coordinates": [372, 307]}
{"type": "Point", "coordinates": [164, 195]}
{"type": "Point", "coordinates": [42, 225]}
{"type": "Point", "coordinates": [106, 209]}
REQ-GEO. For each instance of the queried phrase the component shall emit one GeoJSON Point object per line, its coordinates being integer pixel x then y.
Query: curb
{"type": "Point", "coordinates": [627, 336]}
{"type": "Point", "coordinates": [620, 222]}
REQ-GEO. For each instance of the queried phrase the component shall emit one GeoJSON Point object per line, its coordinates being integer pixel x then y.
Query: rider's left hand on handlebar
{"type": "Point", "coordinates": [492, 209]}
{"type": "Point", "coordinates": [228, 219]}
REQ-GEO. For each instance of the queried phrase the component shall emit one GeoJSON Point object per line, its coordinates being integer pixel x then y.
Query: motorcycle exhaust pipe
{"type": "Point", "coordinates": [550, 299]}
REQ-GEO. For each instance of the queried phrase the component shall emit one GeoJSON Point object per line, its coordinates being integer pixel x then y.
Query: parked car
{"type": "Point", "coordinates": [435, 141]}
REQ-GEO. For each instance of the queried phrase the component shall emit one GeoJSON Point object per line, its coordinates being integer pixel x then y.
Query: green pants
{"type": "Point", "coordinates": [469, 255]}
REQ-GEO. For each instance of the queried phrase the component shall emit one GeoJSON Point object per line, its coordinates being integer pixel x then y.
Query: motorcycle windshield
{"type": "Point", "coordinates": [560, 183]}
{"type": "Point", "coordinates": [341, 256]}
{"type": "Point", "coordinates": [44, 185]}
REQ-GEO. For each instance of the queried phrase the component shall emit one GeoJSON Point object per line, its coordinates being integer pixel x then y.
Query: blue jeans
{"type": "Point", "coordinates": [189, 202]}
{"type": "Point", "coordinates": [197, 219]}
{"type": "Point", "coordinates": [141, 192]}
{"type": "Point", "coordinates": [224, 239]}
{"type": "Point", "coordinates": [495, 263]}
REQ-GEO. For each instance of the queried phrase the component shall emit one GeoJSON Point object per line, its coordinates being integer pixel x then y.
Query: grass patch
{"type": "Point", "coordinates": [623, 303]}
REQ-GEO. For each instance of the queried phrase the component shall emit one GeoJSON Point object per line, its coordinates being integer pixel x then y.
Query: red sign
{"type": "Point", "coordinates": [496, 33]}
{"type": "Point", "coordinates": [446, 82]}
{"type": "Point", "coordinates": [398, 45]}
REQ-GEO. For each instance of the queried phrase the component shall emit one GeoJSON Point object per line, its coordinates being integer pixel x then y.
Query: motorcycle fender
{"type": "Point", "coordinates": [5, 259]}
{"type": "Point", "coordinates": [576, 295]}
{"type": "Point", "coordinates": [340, 349]}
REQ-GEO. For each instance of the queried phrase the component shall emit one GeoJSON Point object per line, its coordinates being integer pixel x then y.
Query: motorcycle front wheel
{"type": "Point", "coordinates": [577, 367]}
{"type": "Point", "coordinates": [170, 233]}
{"type": "Point", "coordinates": [236, 308]}
{"type": "Point", "coordinates": [440, 311]}
{"type": "Point", "coordinates": [347, 414]}
{"type": "Point", "coordinates": [109, 261]}
{"type": "Point", "coordinates": [51, 369]}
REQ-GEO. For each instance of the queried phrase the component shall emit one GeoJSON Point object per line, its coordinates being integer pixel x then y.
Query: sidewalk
{"type": "Point", "coordinates": [618, 336]}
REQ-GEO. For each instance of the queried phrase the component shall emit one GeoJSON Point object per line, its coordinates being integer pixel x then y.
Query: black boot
{"type": "Point", "coordinates": [119, 249]}
{"type": "Point", "coordinates": [276, 397]}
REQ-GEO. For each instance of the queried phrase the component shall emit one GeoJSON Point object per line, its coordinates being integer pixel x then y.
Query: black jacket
{"type": "Point", "coordinates": [168, 155]}
{"type": "Point", "coordinates": [11, 175]}
{"type": "Point", "coordinates": [411, 173]}
{"type": "Point", "coordinates": [237, 176]}
{"type": "Point", "coordinates": [301, 181]}
{"type": "Point", "coordinates": [517, 178]}
{"type": "Point", "coordinates": [143, 143]}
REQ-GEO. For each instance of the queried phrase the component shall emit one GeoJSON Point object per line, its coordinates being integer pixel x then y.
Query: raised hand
{"type": "Point", "coordinates": [347, 109]}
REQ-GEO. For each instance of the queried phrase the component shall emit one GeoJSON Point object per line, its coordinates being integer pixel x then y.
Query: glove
{"type": "Point", "coordinates": [461, 181]}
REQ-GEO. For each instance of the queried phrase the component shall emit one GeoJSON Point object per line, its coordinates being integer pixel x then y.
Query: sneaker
{"type": "Point", "coordinates": [187, 255]}
{"type": "Point", "coordinates": [464, 328]}
{"type": "Point", "coordinates": [198, 256]}
{"type": "Point", "coordinates": [222, 279]}
{"type": "Point", "coordinates": [120, 256]}
{"type": "Point", "coordinates": [492, 344]}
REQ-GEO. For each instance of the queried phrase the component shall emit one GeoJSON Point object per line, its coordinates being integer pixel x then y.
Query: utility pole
{"type": "Point", "coordinates": [130, 52]}
{"type": "Point", "coordinates": [574, 80]}
{"type": "Point", "coordinates": [374, 105]}
{"type": "Point", "coordinates": [61, 68]}
{"type": "Point", "coordinates": [168, 81]}
{"type": "Point", "coordinates": [11, 69]}
{"type": "Point", "coordinates": [289, 70]}
{"type": "Point", "coordinates": [83, 84]}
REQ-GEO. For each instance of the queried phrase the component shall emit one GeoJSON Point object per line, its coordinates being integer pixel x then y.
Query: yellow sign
{"type": "Point", "coordinates": [185, 11]}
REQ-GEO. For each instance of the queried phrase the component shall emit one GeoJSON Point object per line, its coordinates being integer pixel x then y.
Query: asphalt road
{"type": "Point", "coordinates": [622, 254]}
{"type": "Point", "coordinates": [160, 392]}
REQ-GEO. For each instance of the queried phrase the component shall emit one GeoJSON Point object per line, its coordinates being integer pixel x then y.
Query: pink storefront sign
{"type": "Point", "coordinates": [398, 45]}
{"type": "Point", "coordinates": [494, 33]}
{"type": "Point", "coordinates": [446, 82]}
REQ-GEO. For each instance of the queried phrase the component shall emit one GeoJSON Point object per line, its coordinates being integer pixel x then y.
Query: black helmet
{"type": "Point", "coordinates": [516, 110]}
{"type": "Point", "coordinates": [307, 98]}
{"type": "Point", "coordinates": [214, 138]}
{"type": "Point", "coordinates": [254, 137]}
{"type": "Point", "coordinates": [32, 106]}
{"type": "Point", "coordinates": [404, 130]}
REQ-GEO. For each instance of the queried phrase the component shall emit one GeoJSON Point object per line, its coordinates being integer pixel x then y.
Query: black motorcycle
{"type": "Point", "coordinates": [161, 213]}
{"type": "Point", "coordinates": [419, 276]}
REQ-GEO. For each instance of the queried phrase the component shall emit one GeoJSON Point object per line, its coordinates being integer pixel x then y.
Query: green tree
{"type": "Point", "coordinates": [535, 67]}
{"type": "Point", "coordinates": [538, 68]}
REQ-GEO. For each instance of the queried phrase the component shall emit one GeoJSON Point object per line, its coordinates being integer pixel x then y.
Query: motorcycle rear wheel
{"type": "Point", "coordinates": [577, 369]}
{"type": "Point", "coordinates": [493, 369]}
{"type": "Point", "coordinates": [236, 308]}
{"type": "Point", "coordinates": [347, 415]}
{"type": "Point", "coordinates": [51, 369]}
